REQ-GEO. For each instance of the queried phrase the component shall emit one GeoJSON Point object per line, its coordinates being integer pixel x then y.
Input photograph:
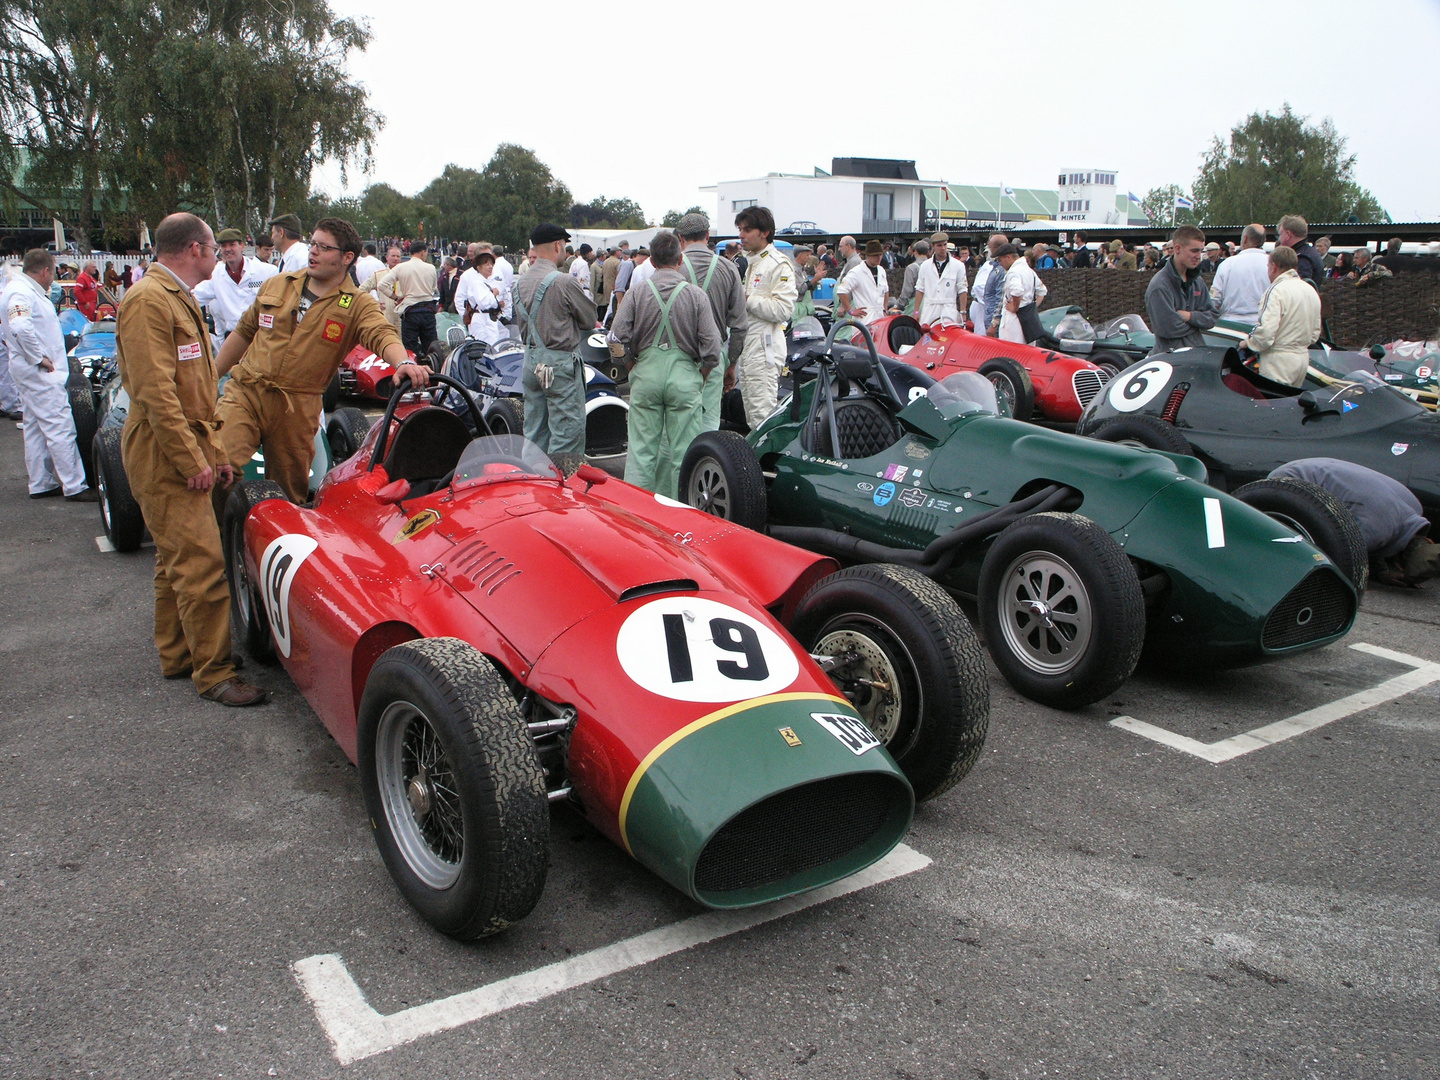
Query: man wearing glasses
{"type": "Point", "coordinates": [173, 457]}
{"type": "Point", "coordinates": [292, 340]}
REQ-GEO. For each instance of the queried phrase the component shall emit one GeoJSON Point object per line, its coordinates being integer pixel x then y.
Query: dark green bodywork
{"type": "Point", "coordinates": [1209, 604]}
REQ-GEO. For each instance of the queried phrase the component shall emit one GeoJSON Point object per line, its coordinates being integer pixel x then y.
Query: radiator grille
{"type": "Point", "coordinates": [798, 830]}
{"type": "Point", "coordinates": [1087, 384]}
{"type": "Point", "coordinates": [606, 430]}
{"type": "Point", "coordinates": [1318, 607]}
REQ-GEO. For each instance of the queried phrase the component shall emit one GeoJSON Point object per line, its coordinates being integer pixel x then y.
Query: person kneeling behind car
{"type": "Point", "coordinates": [1390, 516]}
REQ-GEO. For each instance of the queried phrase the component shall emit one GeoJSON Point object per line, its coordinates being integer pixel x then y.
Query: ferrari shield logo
{"type": "Point", "coordinates": [345, 300]}
{"type": "Point", "coordinates": [788, 734]}
{"type": "Point", "coordinates": [417, 524]}
{"type": "Point", "coordinates": [333, 330]}
{"type": "Point", "coordinates": [1399, 448]}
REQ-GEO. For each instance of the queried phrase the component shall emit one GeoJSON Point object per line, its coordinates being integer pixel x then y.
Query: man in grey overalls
{"type": "Point", "coordinates": [721, 282]}
{"type": "Point", "coordinates": [667, 333]}
{"type": "Point", "coordinates": [554, 315]}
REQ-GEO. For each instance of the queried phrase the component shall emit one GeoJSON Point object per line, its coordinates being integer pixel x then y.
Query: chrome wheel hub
{"type": "Point", "coordinates": [1046, 616]}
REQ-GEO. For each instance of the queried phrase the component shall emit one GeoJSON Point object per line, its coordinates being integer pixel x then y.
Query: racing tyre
{"type": "Point", "coordinates": [506, 417]}
{"type": "Point", "coordinates": [1061, 609]}
{"type": "Point", "coordinates": [249, 625]}
{"type": "Point", "coordinates": [1318, 516]}
{"type": "Point", "coordinates": [345, 432]}
{"type": "Point", "coordinates": [454, 791]}
{"type": "Point", "coordinates": [82, 408]}
{"type": "Point", "coordinates": [721, 476]}
{"type": "Point", "coordinates": [330, 400]}
{"type": "Point", "coordinates": [1111, 362]}
{"type": "Point", "coordinates": [909, 662]}
{"type": "Point", "coordinates": [119, 512]}
{"type": "Point", "coordinates": [1012, 385]}
{"type": "Point", "coordinates": [1149, 432]}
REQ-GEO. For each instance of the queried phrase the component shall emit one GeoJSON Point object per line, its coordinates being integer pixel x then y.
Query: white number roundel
{"type": "Point", "coordinates": [1136, 387]}
{"type": "Point", "coordinates": [692, 649]}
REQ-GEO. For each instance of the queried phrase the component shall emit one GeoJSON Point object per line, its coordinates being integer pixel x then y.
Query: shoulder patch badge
{"type": "Point", "coordinates": [345, 300]}
{"type": "Point", "coordinates": [417, 524]}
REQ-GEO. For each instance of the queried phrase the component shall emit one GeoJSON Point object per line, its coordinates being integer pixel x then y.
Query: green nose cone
{"type": "Point", "coordinates": [766, 800]}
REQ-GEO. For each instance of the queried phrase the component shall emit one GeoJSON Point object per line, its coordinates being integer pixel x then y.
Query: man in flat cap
{"type": "Point", "coordinates": [554, 315]}
{"type": "Point", "coordinates": [230, 290]}
{"type": "Point", "coordinates": [294, 255]}
{"type": "Point", "coordinates": [941, 291]}
{"type": "Point", "coordinates": [861, 293]}
{"type": "Point", "coordinates": [720, 279]}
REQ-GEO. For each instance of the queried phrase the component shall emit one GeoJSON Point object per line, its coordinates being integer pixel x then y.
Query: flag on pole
{"type": "Point", "coordinates": [1182, 203]}
{"type": "Point", "coordinates": [1134, 198]}
{"type": "Point", "coordinates": [59, 236]}
{"type": "Point", "coordinates": [1007, 191]}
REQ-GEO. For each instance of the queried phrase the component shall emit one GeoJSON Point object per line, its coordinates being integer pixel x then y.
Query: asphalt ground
{"type": "Point", "coordinates": [1096, 904]}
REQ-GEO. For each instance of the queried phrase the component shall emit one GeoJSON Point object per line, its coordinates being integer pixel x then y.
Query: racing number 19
{"type": "Point", "coordinates": [727, 634]}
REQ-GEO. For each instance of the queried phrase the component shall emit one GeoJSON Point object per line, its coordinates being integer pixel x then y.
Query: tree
{"type": "Point", "coordinates": [516, 192]}
{"type": "Point", "coordinates": [603, 213]}
{"type": "Point", "coordinates": [455, 194]}
{"type": "Point", "coordinates": [1159, 206]}
{"type": "Point", "coordinates": [1276, 165]}
{"type": "Point", "coordinates": [672, 217]}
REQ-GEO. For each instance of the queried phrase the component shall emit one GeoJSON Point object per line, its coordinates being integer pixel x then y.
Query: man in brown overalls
{"type": "Point", "coordinates": [293, 338]}
{"type": "Point", "coordinates": [173, 456]}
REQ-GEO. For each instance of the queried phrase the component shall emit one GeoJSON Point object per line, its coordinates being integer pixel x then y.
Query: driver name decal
{"type": "Point", "coordinates": [278, 567]}
{"type": "Point", "coordinates": [1136, 387]}
{"type": "Point", "coordinates": [688, 648]}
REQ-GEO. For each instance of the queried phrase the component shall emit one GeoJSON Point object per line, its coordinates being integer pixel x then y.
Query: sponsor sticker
{"type": "Point", "coordinates": [917, 451]}
{"type": "Point", "coordinates": [267, 321]}
{"type": "Point", "coordinates": [788, 734]}
{"type": "Point", "coordinates": [865, 486]}
{"type": "Point", "coordinates": [345, 300]}
{"type": "Point", "coordinates": [191, 351]}
{"type": "Point", "coordinates": [883, 494]}
{"type": "Point", "coordinates": [417, 524]}
{"type": "Point", "coordinates": [333, 330]}
{"type": "Point", "coordinates": [1423, 372]}
{"type": "Point", "coordinates": [1346, 406]}
{"type": "Point", "coordinates": [278, 566]}
{"type": "Point", "coordinates": [896, 472]}
{"type": "Point", "coordinates": [850, 730]}
{"type": "Point", "coordinates": [1399, 448]}
{"type": "Point", "coordinates": [689, 648]}
{"type": "Point", "coordinates": [912, 497]}
{"type": "Point", "coordinates": [1396, 378]}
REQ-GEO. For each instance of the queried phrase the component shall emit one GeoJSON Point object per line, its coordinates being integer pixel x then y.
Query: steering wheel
{"type": "Point", "coordinates": [880, 372]}
{"type": "Point", "coordinates": [401, 389]}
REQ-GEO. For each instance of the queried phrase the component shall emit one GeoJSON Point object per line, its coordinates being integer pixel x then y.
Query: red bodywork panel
{"type": "Point", "coordinates": [945, 350]}
{"type": "Point", "coordinates": [531, 572]}
{"type": "Point", "coordinates": [369, 371]}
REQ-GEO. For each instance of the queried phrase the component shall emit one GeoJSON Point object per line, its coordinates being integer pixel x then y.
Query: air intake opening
{"type": "Point", "coordinates": [1320, 606]}
{"type": "Point", "coordinates": [833, 824]}
{"type": "Point", "coordinates": [656, 587]}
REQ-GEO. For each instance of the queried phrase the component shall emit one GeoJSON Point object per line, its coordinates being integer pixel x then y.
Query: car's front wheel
{"type": "Point", "coordinates": [721, 476]}
{"type": "Point", "coordinates": [905, 656]}
{"type": "Point", "coordinates": [119, 512]}
{"type": "Point", "coordinates": [506, 417]}
{"type": "Point", "coordinates": [249, 626]}
{"type": "Point", "coordinates": [1013, 387]}
{"type": "Point", "coordinates": [1144, 433]}
{"type": "Point", "coordinates": [345, 432]}
{"type": "Point", "coordinates": [454, 791]}
{"type": "Point", "coordinates": [1318, 516]}
{"type": "Point", "coordinates": [1061, 609]}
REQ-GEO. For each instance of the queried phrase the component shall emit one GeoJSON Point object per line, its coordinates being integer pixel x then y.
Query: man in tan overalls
{"type": "Point", "coordinates": [293, 338]}
{"type": "Point", "coordinates": [173, 456]}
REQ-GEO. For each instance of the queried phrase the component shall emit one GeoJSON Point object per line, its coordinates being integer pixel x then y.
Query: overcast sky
{"type": "Point", "coordinates": [651, 99]}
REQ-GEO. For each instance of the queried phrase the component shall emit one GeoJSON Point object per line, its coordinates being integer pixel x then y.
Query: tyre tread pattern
{"type": "Point", "coordinates": [749, 501]}
{"type": "Point", "coordinates": [126, 528]}
{"type": "Point", "coordinates": [253, 635]}
{"type": "Point", "coordinates": [1344, 544]}
{"type": "Point", "coordinates": [1150, 431]}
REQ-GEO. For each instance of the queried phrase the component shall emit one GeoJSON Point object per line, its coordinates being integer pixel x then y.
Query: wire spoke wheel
{"type": "Point", "coordinates": [1046, 613]}
{"type": "Point", "coordinates": [1004, 390]}
{"type": "Point", "coordinates": [708, 489]}
{"type": "Point", "coordinates": [867, 675]}
{"type": "Point", "coordinates": [418, 793]}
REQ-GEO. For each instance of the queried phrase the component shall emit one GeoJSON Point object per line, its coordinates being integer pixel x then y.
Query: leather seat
{"type": "Point", "coordinates": [427, 446]}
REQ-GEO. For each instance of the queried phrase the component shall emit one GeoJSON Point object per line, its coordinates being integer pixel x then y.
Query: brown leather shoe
{"type": "Point", "coordinates": [236, 693]}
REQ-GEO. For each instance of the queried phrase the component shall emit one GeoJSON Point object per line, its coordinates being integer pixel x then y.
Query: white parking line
{"type": "Point", "coordinates": [357, 1031]}
{"type": "Point", "coordinates": [1424, 674]}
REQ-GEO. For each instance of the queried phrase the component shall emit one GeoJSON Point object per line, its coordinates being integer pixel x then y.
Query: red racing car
{"type": "Point", "coordinates": [1033, 382]}
{"type": "Point", "coordinates": [484, 636]}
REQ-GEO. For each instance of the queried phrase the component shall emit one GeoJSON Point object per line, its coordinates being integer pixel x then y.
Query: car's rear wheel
{"type": "Point", "coordinates": [453, 788]}
{"type": "Point", "coordinates": [330, 400]}
{"type": "Point", "coordinates": [1062, 609]}
{"type": "Point", "coordinates": [82, 408]}
{"type": "Point", "coordinates": [119, 512]}
{"type": "Point", "coordinates": [721, 476]}
{"type": "Point", "coordinates": [249, 625]}
{"type": "Point", "coordinates": [1318, 516]}
{"type": "Point", "coordinates": [506, 417]}
{"type": "Point", "coordinates": [1144, 432]}
{"type": "Point", "coordinates": [908, 660]}
{"type": "Point", "coordinates": [345, 432]}
{"type": "Point", "coordinates": [1109, 361]}
{"type": "Point", "coordinates": [1012, 385]}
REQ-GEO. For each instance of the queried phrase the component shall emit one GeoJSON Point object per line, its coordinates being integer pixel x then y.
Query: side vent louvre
{"type": "Point", "coordinates": [483, 565]}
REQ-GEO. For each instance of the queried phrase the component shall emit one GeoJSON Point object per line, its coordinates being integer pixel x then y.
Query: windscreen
{"type": "Point", "coordinates": [1124, 326]}
{"type": "Point", "coordinates": [1075, 327]}
{"type": "Point", "coordinates": [496, 458]}
{"type": "Point", "coordinates": [964, 393]}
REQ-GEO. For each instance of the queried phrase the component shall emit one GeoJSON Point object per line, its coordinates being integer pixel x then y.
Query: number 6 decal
{"type": "Point", "coordinates": [1136, 387]}
{"type": "Point", "coordinates": [692, 649]}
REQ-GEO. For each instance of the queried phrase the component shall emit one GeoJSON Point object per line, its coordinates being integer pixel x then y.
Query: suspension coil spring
{"type": "Point", "coordinates": [1172, 403]}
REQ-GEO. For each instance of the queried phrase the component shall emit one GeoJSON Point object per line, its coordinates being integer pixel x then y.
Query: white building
{"type": "Point", "coordinates": [1090, 197]}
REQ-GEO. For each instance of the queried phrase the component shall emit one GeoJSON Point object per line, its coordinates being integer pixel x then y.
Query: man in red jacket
{"type": "Point", "coordinates": [87, 291]}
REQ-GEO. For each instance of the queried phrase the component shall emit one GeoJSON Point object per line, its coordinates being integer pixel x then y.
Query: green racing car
{"type": "Point", "coordinates": [1077, 554]}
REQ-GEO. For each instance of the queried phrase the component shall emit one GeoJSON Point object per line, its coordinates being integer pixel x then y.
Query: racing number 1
{"type": "Point", "coordinates": [727, 634]}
